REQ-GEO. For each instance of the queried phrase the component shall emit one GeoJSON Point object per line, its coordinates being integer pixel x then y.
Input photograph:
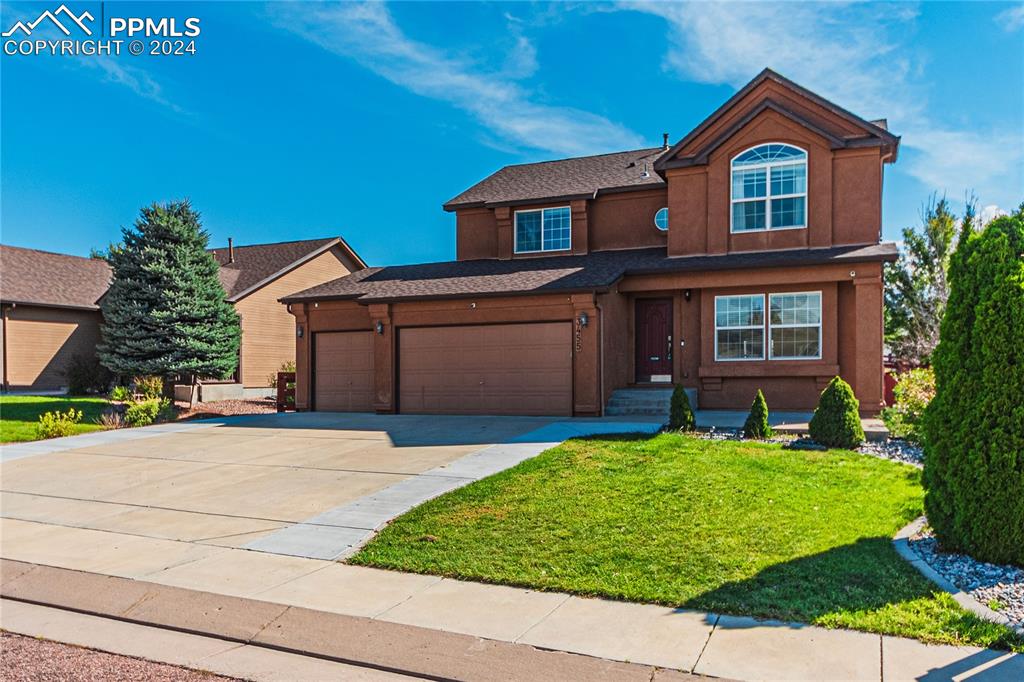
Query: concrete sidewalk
{"type": "Point", "coordinates": [703, 643]}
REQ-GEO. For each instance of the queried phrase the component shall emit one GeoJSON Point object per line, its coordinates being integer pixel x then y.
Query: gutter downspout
{"type": "Point", "coordinates": [600, 353]}
{"type": "Point", "coordinates": [3, 314]}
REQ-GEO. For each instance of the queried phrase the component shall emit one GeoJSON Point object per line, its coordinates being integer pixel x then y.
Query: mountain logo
{"type": "Point", "coordinates": [27, 28]}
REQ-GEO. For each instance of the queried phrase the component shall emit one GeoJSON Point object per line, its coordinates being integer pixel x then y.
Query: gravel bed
{"type": "Point", "coordinates": [227, 408]}
{"type": "Point", "coordinates": [28, 658]}
{"type": "Point", "coordinates": [999, 587]}
{"type": "Point", "coordinates": [895, 449]}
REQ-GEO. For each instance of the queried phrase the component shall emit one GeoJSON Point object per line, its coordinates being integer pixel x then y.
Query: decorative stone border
{"type": "Point", "coordinates": [901, 543]}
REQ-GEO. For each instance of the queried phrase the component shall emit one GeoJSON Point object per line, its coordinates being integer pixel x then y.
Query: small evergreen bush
{"type": "Point", "coordinates": [974, 427]}
{"type": "Point", "coordinates": [757, 425]}
{"type": "Point", "coordinates": [146, 412]}
{"type": "Point", "coordinates": [836, 420]}
{"type": "Point", "coordinates": [680, 416]}
{"type": "Point", "coordinates": [86, 375]}
{"type": "Point", "coordinates": [915, 390]}
{"type": "Point", "coordinates": [58, 424]}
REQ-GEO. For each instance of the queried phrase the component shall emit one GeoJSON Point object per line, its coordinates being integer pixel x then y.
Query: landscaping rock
{"type": "Point", "coordinates": [896, 449]}
{"type": "Point", "coordinates": [803, 444]}
{"type": "Point", "coordinates": [999, 587]}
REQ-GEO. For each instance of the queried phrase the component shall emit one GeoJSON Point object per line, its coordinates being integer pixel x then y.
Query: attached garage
{"type": "Point", "coordinates": [500, 369]}
{"type": "Point", "coordinates": [343, 372]}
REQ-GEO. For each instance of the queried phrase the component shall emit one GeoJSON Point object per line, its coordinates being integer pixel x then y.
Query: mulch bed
{"type": "Point", "coordinates": [226, 408]}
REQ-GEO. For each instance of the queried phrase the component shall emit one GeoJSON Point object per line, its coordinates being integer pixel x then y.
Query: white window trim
{"type": "Point", "coordinates": [658, 227]}
{"type": "Point", "coordinates": [764, 312]}
{"type": "Point", "coordinates": [768, 196]}
{"type": "Point", "coordinates": [515, 229]}
{"type": "Point", "coordinates": [768, 321]}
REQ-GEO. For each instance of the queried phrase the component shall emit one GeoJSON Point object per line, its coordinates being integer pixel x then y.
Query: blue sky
{"type": "Point", "coordinates": [299, 120]}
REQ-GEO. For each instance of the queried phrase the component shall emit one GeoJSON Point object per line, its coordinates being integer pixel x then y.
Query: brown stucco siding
{"type": "Point", "coordinates": [40, 342]}
{"type": "Point", "coordinates": [268, 330]}
{"type": "Point", "coordinates": [626, 220]}
{"type": "Point", "coordinates": [476, 234]}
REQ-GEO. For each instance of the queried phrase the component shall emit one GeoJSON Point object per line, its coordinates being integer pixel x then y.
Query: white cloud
{"type": "Point", "coordinates": [135, 78]}
{"type": "Point", "coordinates": [1011, 19]}
{"type": "Point", "coordinates": [990, 213]}
{"type": "Point", "coordinates": [856, 54]}
{"type": "Point", "coordinates": [368, 34]}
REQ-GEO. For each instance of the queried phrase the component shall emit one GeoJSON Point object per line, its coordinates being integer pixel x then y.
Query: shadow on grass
{"type": "Point", "coordinates": [865, 583]}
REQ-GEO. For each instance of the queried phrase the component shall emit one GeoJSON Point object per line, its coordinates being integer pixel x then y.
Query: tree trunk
{"type": "Point", "coordinates": [193, 399]}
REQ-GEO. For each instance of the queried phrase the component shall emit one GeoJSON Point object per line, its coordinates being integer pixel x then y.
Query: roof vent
{"type": "Point", "coordinates": [664, 140]}
{"type": "Point", "coordinates": [231, 250]}
{"type": "Point", "coordinates": [645, 173]}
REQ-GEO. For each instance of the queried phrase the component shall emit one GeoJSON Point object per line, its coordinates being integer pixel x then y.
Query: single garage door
{"type": "Point", "coordinates": [343, 366]}
{"type": "Point", "coordinates": [521, 369]}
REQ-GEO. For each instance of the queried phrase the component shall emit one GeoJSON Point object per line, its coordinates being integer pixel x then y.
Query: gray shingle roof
{"type": "Point", "coordinates": [253, 264]}
{"type": "Point", "coordinates": [592, 272]}
{"type": "Point", "coordinates": [577, 177]}
{"type": "Point", "coordinates": [33, 277]}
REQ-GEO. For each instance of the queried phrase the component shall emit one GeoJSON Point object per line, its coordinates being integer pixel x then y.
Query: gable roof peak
{"type": "Point", "coordinates": [876, 132]}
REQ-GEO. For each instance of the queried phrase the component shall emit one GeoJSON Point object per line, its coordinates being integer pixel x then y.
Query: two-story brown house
{"type": "Point", "coordinates": [748, 255]}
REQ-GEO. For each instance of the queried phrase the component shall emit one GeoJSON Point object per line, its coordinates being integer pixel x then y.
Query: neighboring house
{"type": "Point", "coordinates": [748, 255]}
{"type": "Point", "coordinates": [256, 276]}
{"type": "Point", "coordinates": [51, 311]}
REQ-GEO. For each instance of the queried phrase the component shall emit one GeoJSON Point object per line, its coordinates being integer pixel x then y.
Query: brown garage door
{"type": "Point", "coordinates": [487, 369]}
{"type": "Point", "coordinates": [344, 372]}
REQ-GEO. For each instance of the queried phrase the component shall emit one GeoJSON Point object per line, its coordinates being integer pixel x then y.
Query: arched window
{"type": "Point", "coordinates": [661, 219]}
{"type": "Point", "coordinates": [769, 188]}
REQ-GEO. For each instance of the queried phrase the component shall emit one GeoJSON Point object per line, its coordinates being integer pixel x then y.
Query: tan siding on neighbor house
{"type": "Point", "coordinates": [268, 329]}
{"type": "Point", "coordinates": [41, 341]}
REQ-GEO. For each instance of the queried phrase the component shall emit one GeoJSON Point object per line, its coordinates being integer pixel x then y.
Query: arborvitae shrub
{"type": "Point", "coordinates": [836, 420]}
{"type": "Point", "coordinates": [680, 413]}
{"type": "Point", "coordinates": [974, 427]}
{"type": "Point", "coordinates": [757, 425]}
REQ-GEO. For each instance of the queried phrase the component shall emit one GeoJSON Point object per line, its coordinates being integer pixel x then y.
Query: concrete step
{"type": "Point", "coordinates": [644, 401]}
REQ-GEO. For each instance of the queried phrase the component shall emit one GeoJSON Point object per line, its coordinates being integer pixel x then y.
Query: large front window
{"type": "Point", "coordinates": [769, 188]}
{"type": "Point", "coordinates": [547, 229]}
{"type": "Point", "coordinates": [739, 327]}
{"type": "Point", "coordinates": [794, 326]}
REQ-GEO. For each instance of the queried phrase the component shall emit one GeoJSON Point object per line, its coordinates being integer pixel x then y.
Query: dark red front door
{"type": "Point", "coordinates": [654, 340]}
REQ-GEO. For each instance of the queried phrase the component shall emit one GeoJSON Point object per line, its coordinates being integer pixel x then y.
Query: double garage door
{"type": "Point", "coordinates": [506, 369]}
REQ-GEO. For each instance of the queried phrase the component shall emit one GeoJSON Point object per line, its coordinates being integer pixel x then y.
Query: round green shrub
{"type": "Point", "coordinates": [836, 420]}
{"type": "Point", "coordinates": [680, 416]}
{"type": "Point", "coordinates": [974, 427]}
{"type": "Point", "coordinates": [757, 425]}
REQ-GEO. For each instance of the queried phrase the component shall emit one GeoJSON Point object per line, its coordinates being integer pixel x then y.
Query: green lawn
{"type": "Point", "coordinates": [742, 528]}
{"type": "Point", "coordinates": [19, 414]}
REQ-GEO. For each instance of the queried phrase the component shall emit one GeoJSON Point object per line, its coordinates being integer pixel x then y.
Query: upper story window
{"type": "Point", "coordinates": [769, 188]}
{"type": "Point", "coordinates": [546, 229]}
{"type": "Point", "coordinates": [661, 219]}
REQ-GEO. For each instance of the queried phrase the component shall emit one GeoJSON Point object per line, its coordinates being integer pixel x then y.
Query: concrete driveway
{"type": "Point", "coordinates": [312, 485]}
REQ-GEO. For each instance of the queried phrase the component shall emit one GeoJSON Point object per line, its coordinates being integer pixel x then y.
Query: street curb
{"type": "Point", "coordinates": [352, 640]}
{"type": "Point", "coordinates": [901, 543]}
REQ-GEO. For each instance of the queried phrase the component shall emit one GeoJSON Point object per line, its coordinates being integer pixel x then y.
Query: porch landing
{"type": "Point", "coordinates": [795, 423]}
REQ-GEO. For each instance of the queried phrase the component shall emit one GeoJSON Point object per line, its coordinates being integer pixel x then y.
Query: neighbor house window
{"type": "Point", "coordinates": [548, 229]}
{"type": "Point", "coordinates": [661, 219]}
{"type": "Point", "coordinates": [739, 327]}
{"type": "Point", "coordinates": [769, 188]}
{"type": "Point", "coordinates": [794, 326]}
